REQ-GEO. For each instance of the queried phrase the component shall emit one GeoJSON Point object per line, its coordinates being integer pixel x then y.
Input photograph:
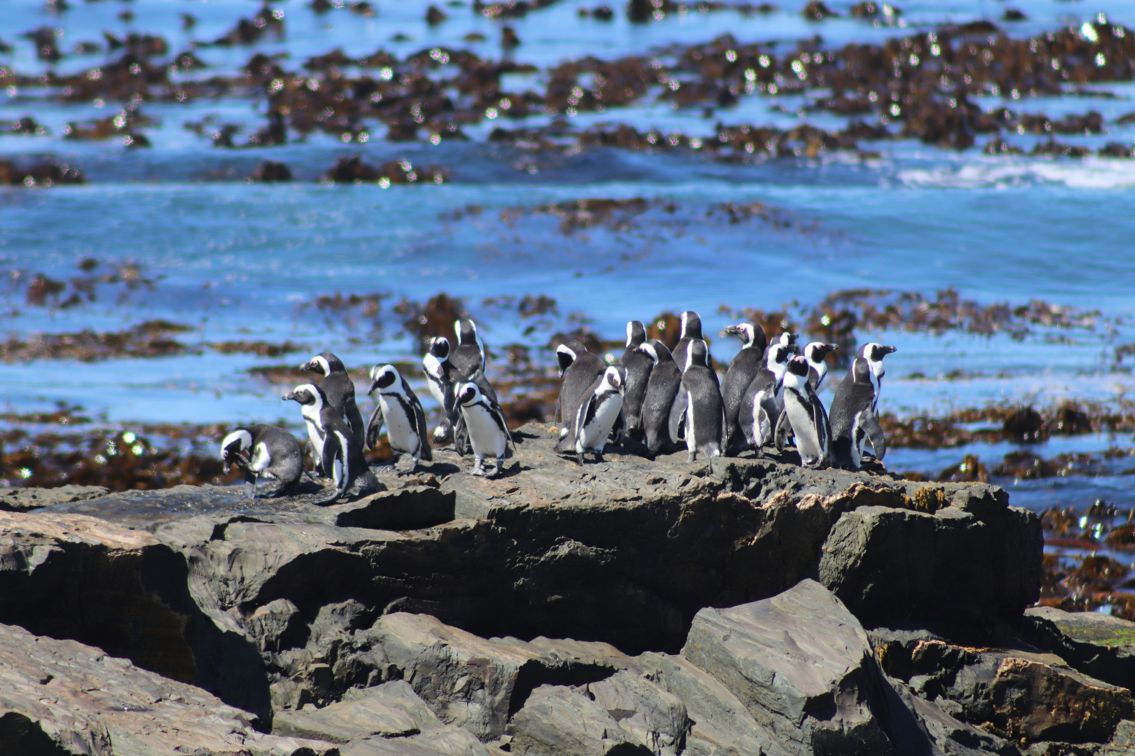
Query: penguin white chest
{"type": "Point", "coordinates": [593, 435]}
{"type": "Point", "coordinates": [485, 435]}
{"type": "Point", "coordinates": [399, 427]}
{"type": "Point", "coordinates": [314, 434]}
{"type": "Point", "coordinates": [434, 379]}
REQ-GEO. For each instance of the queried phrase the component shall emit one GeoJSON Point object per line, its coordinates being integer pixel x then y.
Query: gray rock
{"type": "Point", "coordinates": [917, 726]}
{"type": "Point", "coordinates": [556, 720]}
{"type": "Point", "coordinates": [59, 696]}
{"type": "Point", "coordinates": [1096, 644]}
{"type": "Point", "coordinates": [894, 566]}
{"type": "Point", "coordinates": [390, 710]}
{"type": "Point", "coordinates": [800, 663]}
{"type": "Point", "coordinates": [24, 499]}
{"type": "Point", "coordinates": [644, 710]}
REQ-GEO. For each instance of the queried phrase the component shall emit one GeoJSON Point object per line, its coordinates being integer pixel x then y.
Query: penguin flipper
{"type": "Point", "coordinates": [783, 425]}
{"type": "Point", "coordinates": [422, 430]}
{"type": "Point", "coordinates": [374, 427]}
{"type": "Point", "coordinates": [510, 445]}
{"type": "Point", "coordinates": [336, 462]}
{"type": "Point", "coordinates": [678, 414]}
{"type": "Point", "coordinates": [870, 426]}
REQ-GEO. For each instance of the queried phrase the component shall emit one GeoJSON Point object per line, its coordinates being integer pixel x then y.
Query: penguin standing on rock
{"type": "Point", "coordinates": [440, 378]}
{"type": "Point", "coordinates": [661, 388]}
{"type": "Point", "coordinates": [873, 354]}
{"type": "Point", "coordinates": [854, 419]}
{"type": "Point", "coordinates": [637, 366]}
{"type": "Point", "coordinates": [264, 452]}
{"type": "Point", "coordinates": [488, 432]}
{"type": "Point", "coordinates": [597, 414]}
{"type": "Point", "coordinates": [469, 358]}
{"type": "Point", "coordinates": [398, 407]}
{"type": "Point", "coordinates": [691, 331]}
{"type": "Point", "coordinates": [699, 405]}
{"type": "Point", "coordinates": [805, 415]}
{"type": "Point", "coordinates": [339, 390]}
{"type": "Point", "coordinates": [744, 367]}
{"type": "Point", "coordinates": [762, 402]}
{"type": "Point", "coordinates": [340, 457]}
{"type": "Point", "coordinates": [579, 369]}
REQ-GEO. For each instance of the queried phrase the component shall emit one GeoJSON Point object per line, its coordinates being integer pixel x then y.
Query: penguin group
{"type": "Point", "coordinates": [650, 401]}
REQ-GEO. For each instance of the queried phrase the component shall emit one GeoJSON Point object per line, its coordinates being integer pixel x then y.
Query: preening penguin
{"type": "Point", "coordinates": [744, 367]}
{"type": "Point", "coordinates": [340, 457]}
{"type": "Point", "coordinates": [762, 402]}
{"type": "Point", "coordinates": [691, 330]}
{"type": "Point", "coordinates": [469, 358]}
{"type": "Point", "coordinates": [597, 413]}
{"type": "Point", "coordinates": [398, 407]}
{"type": "Point", "coordinates": [637, 366]}
{"type": "Point", "coordinates": [264, 452]}
{"type": "Point", "coordinates": [339, 390]}
{"type": "Point", "coordinates": [488, 432]}
{"type": "Point", "coordinates": [699, 405]}
{"type": "Point", "coordinates": [854, 419]}
{"type": "Point", "coordinates": [661, 388]}
{"type": "Point", "coordinates": [578, 369]}
{"type": "Point", "coordinates": [804, 414]}
{"type": "Point", "coordinates": [440, 378]}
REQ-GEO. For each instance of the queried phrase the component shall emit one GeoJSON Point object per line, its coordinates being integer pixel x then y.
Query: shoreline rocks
{"type": "Point", "coordinates": [669, 607]}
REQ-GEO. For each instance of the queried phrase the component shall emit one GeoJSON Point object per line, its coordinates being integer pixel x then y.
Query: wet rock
{"type": "Point", "coordinates": [815, 10]}
{"type": "Point", "coordinates": [1094, 643]}
{"type": "Point", "coordinates": [1025, 425]}
{"type": "Point", "coordinates": [271, 172]}
{"type": "Point", "coordinates": [353, 170]}
{"type": "Point", "coordinates": [59, 696]}
{"type": "Point", "coordinates": [45, 173]}
{"type": "Point", "coordinates": [801, 664]}
{"type": "Point", "coordinates": [918, 555]}
{"type": "Point", "coordinates": [435, 15]}
{"type": "Point", "coordinates": [26, 126]}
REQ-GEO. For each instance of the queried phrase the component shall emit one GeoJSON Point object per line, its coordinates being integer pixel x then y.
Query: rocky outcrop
{"type": "Point", "coordinates": [1096, 644]}
{"type": "Point", "coordinates": [621, 606]}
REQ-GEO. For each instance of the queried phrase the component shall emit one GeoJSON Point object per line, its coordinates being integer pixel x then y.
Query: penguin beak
{"type": "Point", "coordinates": [373, 387]}
{"type": "Point", "coordinates": [889, 349]}
{"type": "Point", "coordinates": [290, 396]}
{"type": "Point", "coordinates": [730, 330]}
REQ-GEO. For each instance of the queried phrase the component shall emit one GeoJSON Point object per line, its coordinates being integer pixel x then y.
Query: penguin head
{"type": "Point", "coordinates": [468, 393]}
{"type": "Point", "coordinates": [650, 350]}
{"type": "Point", "coordinates": [697, 354]}
{"type": "Point", "coordinates": [237, 442]}
{"type": "Point", "coordinates": [324, 363]}
{"type": "Point", "coordinates": [752, 337]}
{"type": "Point", "coordinates": [307, 395]}
{"type": "Point", "coordinates": [860, 371]}
{"type": "Point", "coordinates": [691, 325]}
{"type": "Point", "coordinates": [439, 348]}
{"type": "Point", "coordinates": [466, 331]}
{"type": "Point", "coordinates": [385, 379]}
{"type": "Point", "coordinates": [776, 359]}
{"type": "Point", "coordinates": [817, 351]}
{"type": "Point", "coordinates": [612, 380]}
{"type": "Point", "coordinates": [874, 353]}
{"type": "Point", "coordinates": [636, 334]}
{"type": "Point", "coordinates": [567, 353]}
{"type": "Point", "coordinates": [788, 339]}
{"type": "Point", "coordinates": [796, 372]}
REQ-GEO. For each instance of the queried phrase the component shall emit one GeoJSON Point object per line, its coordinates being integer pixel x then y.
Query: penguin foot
{"type": "Point", "coordinates": [692, 457]}
{"type": "Point", "coordinates": [598, 456]}
{"type": "Point", "coordinates": [579, 460]}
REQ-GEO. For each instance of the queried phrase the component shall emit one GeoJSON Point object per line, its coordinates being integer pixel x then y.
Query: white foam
{"type": "Point", "coordinates": [1088, 173]}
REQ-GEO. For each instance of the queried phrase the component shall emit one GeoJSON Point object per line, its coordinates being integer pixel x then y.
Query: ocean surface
{"type": "Point", "coordinates": [236, 260]}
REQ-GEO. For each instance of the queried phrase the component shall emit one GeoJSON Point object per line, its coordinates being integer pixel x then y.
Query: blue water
{"type": "Point", "coordinates": [242, 261]}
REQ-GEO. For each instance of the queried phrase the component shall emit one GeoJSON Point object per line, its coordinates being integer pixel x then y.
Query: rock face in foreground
{"type": "Point", "coordinates": [623, 606]}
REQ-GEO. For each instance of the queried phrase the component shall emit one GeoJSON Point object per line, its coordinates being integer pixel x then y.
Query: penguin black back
{"type": "Point", "coordinates": [637, 365]}
{"type": "Point", "coordinates": [468, 357]}
{"type": "Point", "coordinates": [661, 388]}
{"type": "Point", "coordinates": [339, 390]}
{"type": "Point", "coordinates": [582, 368]}
{"type": "Point", "coordinates": [691, 329]}
{"type": "Point", "coordinates": [744, 367]}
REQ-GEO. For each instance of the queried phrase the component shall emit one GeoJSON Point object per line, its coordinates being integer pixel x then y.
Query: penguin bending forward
{"type": "Point", "coordinates": [488, 432]}
{"type": "Point", "coordinates": [264, 452]}
{"type": "Point", "coordinates": [398, 407]}
{"type": "Point", "coordinates": [699, 405]}
{"type": "Point", "coordinates": [804, 414]}
{"type": "Point", "coordinates": [597, 414]}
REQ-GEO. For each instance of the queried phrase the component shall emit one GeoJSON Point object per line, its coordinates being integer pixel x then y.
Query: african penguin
{"type": "Point", "coordinates": [597, 414]}
{"type": "Point", "coordinates": [488, 433]}
{"type": "Point", "coordinates": [744, 367]}
{"type": "Point", "coordinates": [339, 389]}
{"type": "Point", "coordinates": [691, 329]}
{"type": "Point", "coordinates": [440, 378]}
{"type": "Point", "coordinates": [874, 353]}
{"type": "Point", "coordinates": [661, 388]}
{"type": "Point", "coordinates": [699, 404]}
{"type": "Point", "coordinates": [398, 408]}
{"type": "Point", "coordinates": [761, 404]}
{"type": "Point", "coordinates": [788, 339]}
{"type": "Point", "coordinates": [816, 353]}
{"type": "Point", "coordinates": [578, 369]}
{"type": "Point", "coordinates": [637, 366]}
{"type": "Point", "coordinates": [804, 414]}
{"type": "Point", "coordinates": [469, 357]}
{"type": "Point", "coordinates": [264, 452]}
{"type": "Point", "coordinates": [341, 459]}
{"type": "Point", "coordinates": [854, 419]}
